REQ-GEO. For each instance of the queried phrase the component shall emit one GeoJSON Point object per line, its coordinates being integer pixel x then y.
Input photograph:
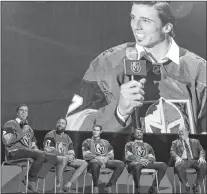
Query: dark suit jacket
{"type": "Point", "coordinates": [196, 148]}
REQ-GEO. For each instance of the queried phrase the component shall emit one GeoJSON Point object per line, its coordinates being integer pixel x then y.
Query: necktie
{"type": "Point", "coordinates": [187, 150]}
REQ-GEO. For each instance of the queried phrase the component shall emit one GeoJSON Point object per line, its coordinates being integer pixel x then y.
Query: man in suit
{"type": "Point", "coordinates": [100, 154]}
{"type": "Point", "coordinates": [188, 153]}
{"type": "Point", "coordinates": [19, 140]}
{"type": "Point", "coordinates": [139, 155]}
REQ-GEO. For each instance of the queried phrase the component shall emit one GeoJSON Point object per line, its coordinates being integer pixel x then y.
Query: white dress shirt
{"type": "Point", "coordinates": [18, 120]}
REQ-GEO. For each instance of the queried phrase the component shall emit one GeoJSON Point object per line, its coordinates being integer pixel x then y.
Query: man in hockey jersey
{"type": "Point", "coordinates": [59, 143]}
{"type": "Point", "coordinates": [139, 155]}
{"type": "Point", "coordinates": [106, 94]}
{"type": "Point", "coordinates": [99, 154]}
{"type": "Point", "coordinates": [19, 140]}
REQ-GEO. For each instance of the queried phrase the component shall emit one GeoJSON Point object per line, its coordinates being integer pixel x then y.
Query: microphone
{"type": "Point", "coordinates": [134, 67]}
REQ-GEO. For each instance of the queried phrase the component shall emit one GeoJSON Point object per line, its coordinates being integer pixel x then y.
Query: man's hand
{"type": "Point", "coordinates": [144, 162]}
{"type": "Point", "coordinates": [102, 159]}
{"type": "Point", "coordinates": [49, 149]}
{"type": "Point", "coordinates": [34, 146]}
{"type": "Point", "coordinates": [70, 157]}
{"type": "Point", "coordinates": [131, 96]}
{"type": "Point", "coordinates": [178, 161]}
{"type": "Point", "coordinates": [151, 158]}
{"type": "Point", "coordinates": [201, 160]}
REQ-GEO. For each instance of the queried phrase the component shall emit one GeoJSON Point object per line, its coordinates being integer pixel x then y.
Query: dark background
{"type": "Point", "coordinates": [47, 47]}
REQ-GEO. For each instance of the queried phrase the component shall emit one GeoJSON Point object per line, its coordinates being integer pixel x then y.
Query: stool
{"type": "Point", "coordinates": [144, 171]}
{"type": "Point", "coordinates": [23, 162]}
{"type": "Point", "coordinates": [103, 171]}
{"type": "Point", "coordinates": [189, 171]}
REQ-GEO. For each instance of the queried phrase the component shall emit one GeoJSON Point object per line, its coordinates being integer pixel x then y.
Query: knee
{"type": "Point", "coordinates": [136, 167]}
{"type": "Point", "coordinates": [121, 165]}
{"type": "Point", "coordinates": [84, 164]}
{"type": "Point", "coordinates": [95, 165]}
{"type": "Point", "coordinates": [163, 166]}
{"type": "Point", "coordinates": [41, 156]}
{"type": "Point", "coordinates": [62, 160]}
{"type": "Point", "coordinates": [202, 166]}
{"type": "Point", "coordinates": [52, 158]}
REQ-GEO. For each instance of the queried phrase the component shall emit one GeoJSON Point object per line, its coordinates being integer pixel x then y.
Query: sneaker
{"type": "Point", "coordinates": [32, 187]}
{"type": "Point", "coordinates": [152, 190]}
{"type": "Point", "coordinates": [67, 187]}
{"type": "Point", "coordinates": [137, 190]}
{"type": "Point", "coordinates": [108, 190]}
{"type": "Point", "coordinates": [187, 188]}
{"type": "Point", "coordinates": [95, 190]}
{"type": "Point", "coordinates": [58, 190]}
{"type": "Point", "coordinates": [195, 188]}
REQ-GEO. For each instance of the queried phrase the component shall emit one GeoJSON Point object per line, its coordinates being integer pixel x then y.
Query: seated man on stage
{"type": "Point", "coordinates": [19, 140]}
{"type": "Point", "coordinates": [59, 143]}
{"type": "Point", "coordinates": [99, 154]}
{"type": "Point", "coordinates": [188, 153]}
{"type": "Point", "coordinates": [139, 155]}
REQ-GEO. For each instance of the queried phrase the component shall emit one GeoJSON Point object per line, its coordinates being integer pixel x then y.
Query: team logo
{"type": "Point", "coordinates": [141, 151]}
{"type": "Point", "coordinates": [136, 66]}
{"type": "Point", "coordinates": [99, 148]}
{"type": "Point", "coordinates": [26, 139]}
{"type": "Point", "coordinates": [156, 69]}
{"type": "Point", "coordinates": [61, 147]}
{"type": "Point", "coordinates": [164, 116]}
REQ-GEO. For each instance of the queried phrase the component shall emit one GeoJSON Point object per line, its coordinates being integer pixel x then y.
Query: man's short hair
{"type": "Point", "coordinates": [17, 109]}
{"type": "Point", "coordinates": [63, 119]}
{"type": "Point", "coordinates": [136, 129]}
{"type": "Point", "coordinates": [99, 126]}
{"type": "Point", "coordinates": [164, 10]}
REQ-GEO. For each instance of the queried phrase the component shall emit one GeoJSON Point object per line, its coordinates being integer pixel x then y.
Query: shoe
{"type": "Point", "coordinates": [195, 188]}
{"type": "Point", "coordinates": [137, 190]}
{"type": "Point", "coordinates": [95, 190]}
{"type": "Point", "coordinates": [58, 190]}
{"type": "Point", "coordinates": [67, 188]}
{"type": "Point", "coordinates": [32, 187]}
{"type": "Point", "coordinates": [108, 190]}
{"type": "Point", "coordinates": [152, 190]}
{"type": "Point", "coordinates": [187, 188]}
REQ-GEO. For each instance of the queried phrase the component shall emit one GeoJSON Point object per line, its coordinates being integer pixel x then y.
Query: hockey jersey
{"type": "Point", "coordinates": [137, 150]}
{"type": "Point", "coordinates": [97, 97]}
{"type": "Point", "coordinates": [96, 147]}
{"type": "Point", "coordinates": [62, 143]}
{"type": "Point", "coordinates": [15, 137]}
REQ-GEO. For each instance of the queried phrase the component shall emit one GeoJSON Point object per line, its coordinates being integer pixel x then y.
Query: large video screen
{"type": "Point", "coordinates": [67, 59]}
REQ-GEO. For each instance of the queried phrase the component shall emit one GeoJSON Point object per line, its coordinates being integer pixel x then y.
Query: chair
{"type": "Point", "coordinates": [23, 162]}
{"type": "Point", "coordinates": [68, 168]}
{"type": "Point", "coordinates": [103, 171]}
{"type": "Point", "coordinates": [144, 171]}
{"type": "Point", "coordinates": [189, 171]}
